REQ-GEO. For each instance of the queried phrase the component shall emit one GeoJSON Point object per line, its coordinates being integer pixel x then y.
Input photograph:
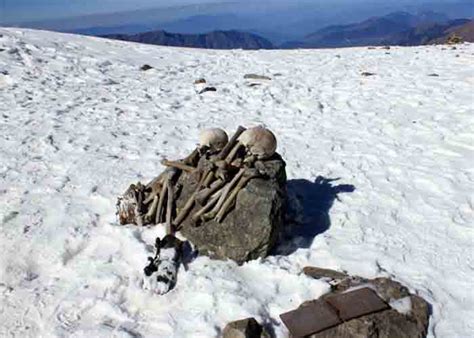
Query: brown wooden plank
{"type": "Point", "coordinates": [313, 317]}
{"type": "Point", "coordinates": [357, 303]}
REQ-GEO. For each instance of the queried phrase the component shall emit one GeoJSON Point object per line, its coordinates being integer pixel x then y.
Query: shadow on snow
{"type": "Point", "coordinates": [309, 204]}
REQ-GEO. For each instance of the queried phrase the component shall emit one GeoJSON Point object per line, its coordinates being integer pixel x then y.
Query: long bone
{"type": "Point", "coordinates": [161, 202]}
{"type": "Point", "coordinates": [226, 190]}
{"type": "Point", "coordinates": [203, 195]}
{"type": "Point", "coordinates": [246, 177]}
{"type": "Point", "coordinates": [178, 165]}
{"type": "Point", "coordinates": [150, 215]}
{"type": "Point", "coordinates": [195, 218]}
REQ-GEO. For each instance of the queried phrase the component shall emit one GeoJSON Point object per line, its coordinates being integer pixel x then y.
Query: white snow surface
{"type": "Point", "coordinates": [80, 122]}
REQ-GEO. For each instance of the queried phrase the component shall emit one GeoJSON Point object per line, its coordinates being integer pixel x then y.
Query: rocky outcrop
{"type": "Point", "coordinates": [408, 315]}
{"type": "Point", "coordinates": [251, 229]}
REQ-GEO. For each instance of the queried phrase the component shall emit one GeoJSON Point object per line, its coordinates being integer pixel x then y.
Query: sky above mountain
{"type": "Point", "coordinates": [16, 11]}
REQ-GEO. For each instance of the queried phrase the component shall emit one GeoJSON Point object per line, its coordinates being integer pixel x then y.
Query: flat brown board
{"type": "Point", "coordinates": [310, 318]}
{"type": "Point", "coordinates": [357, 303]}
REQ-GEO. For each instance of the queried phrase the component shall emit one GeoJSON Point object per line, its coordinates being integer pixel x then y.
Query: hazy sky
{"type": "Point", "coordinates": [14, 11]}
{"type": "Point", "coordinates": [29, 10]}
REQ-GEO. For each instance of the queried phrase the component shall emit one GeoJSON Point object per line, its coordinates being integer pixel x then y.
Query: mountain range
{"type": "Point", "coordinates": [398, 28]}
{"type": "Point", "coordinates": [213, 40]}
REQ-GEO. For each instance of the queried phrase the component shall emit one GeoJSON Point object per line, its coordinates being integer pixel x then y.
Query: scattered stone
{"type": "Point", "coordinates": [200, 81]}
{"type": "Point", "coordinates": [371, 47]}
{"type": "Point", "coordinates": [254, 84]}
{"type": "Point", "coordinates": [208, 89]}
{"type": "Point", "coordinates": [433, 75]}
{"type": "Point", "coordinates": [251, 230]}
{"type": "Point", "coordinates": [319, 273]}
{"type": "Point", "coordinates": [392, 322]}
{"type": "Point", "coordinates": [256, 77]}
{"type": "Point", "coordinates": [386, 47]}
{"type": "Point", "coordinates": [146, 67]}
{"type": "Point", "coordinates": [4, 72]}
{"type": "Point", "coordinates": [245, 328]}
{"type": "Point", "coordinates": [454, 39]}
{"type": "Point", "coordinates": [367, 74]}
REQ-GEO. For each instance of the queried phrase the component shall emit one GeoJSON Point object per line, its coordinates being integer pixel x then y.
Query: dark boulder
{"type": "Point", "coordinates": [251, 229]}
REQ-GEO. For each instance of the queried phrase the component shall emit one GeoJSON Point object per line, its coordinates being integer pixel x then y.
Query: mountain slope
{"type": "Point", "coordinates": [389, 29]}
{"type": "Point", "coordinates": [425, 33]}
{"type": "Point", "coordinates": [79, 122]}
{"type": "Point", "coordinates": [212, 40]}
{"type": "Point", "coordinates": [465, 31]}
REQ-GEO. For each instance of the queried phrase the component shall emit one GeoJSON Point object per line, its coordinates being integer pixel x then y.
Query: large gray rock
{"type": "Point", "coordinates": [410, 319]}
{"type": "Point", "coordinates": [251, 229]}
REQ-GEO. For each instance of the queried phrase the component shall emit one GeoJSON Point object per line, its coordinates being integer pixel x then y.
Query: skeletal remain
{"type": "Point", "coordinates": [161, 202]}
{"type": "Point", "coordinates": [228, 147]}
{"type": "Point", "coordinates": [207, 174]}
{"type": "Point", "coordinates": [248, 174]}
{"type": "Point", "coordinates": [257, 141]}
{"type": "Point", "coordinates": [226, 190]}
{"type": "Point", "coordinates": [203, 195]}
{"type": "Point", "coordinates": [178, 165]}
{"type": "Point", "coordinates": [207, 207]}
{"type": "Point", "coordinates": [213, 139]}
{"type": "Point", "coordinates": [169, 205]}
{"type": "Point", "coordinates": [150, 215]}
{"type": "Point", "coordinates": [130, 207]}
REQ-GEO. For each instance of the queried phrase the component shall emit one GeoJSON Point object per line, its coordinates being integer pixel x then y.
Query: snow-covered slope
{"type": "Point", "coordinates": [79, 122]}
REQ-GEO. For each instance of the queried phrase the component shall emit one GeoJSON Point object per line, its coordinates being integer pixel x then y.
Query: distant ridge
{"type": "Point", "coordinates": [213, 40]}
{"type": "Point", "coordinates": [397, 28]}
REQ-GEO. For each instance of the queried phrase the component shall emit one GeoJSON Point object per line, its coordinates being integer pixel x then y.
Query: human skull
{"type": "Point", "coordinates": [214, 138]}
{"type": "Point", "coordinates": [259, 142]}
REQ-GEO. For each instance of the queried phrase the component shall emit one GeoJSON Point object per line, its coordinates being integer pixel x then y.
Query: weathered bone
{"type": "Point", "coordinates": [193, 158]}
{"type": "Point", "coordinates": [178, 165]}
{"type": "Point", "coordinates": [207, 207]}
{"type": "Point", "coordinates": [155, 190]}
{"type": "Point", "coordinates": [184, 211]}
{"type": "Point", "coordinates": [228, 147]}
{"type": "Point", "coordinates": [203, 195]}
{"type": "Point", "coordinates": [211, 214]}
{"type": "Point", "coordinates": [150, 215]}
{"type": "Point", "coordinates": [169, 205]}
{"type": "Point", "coordinates": [161, 203]}
{"type": "Point", "coordinates": [246, 177]}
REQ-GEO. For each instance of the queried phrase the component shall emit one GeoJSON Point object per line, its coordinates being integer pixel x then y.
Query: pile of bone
{"type": "Point", "coordinates": [229, 165]}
